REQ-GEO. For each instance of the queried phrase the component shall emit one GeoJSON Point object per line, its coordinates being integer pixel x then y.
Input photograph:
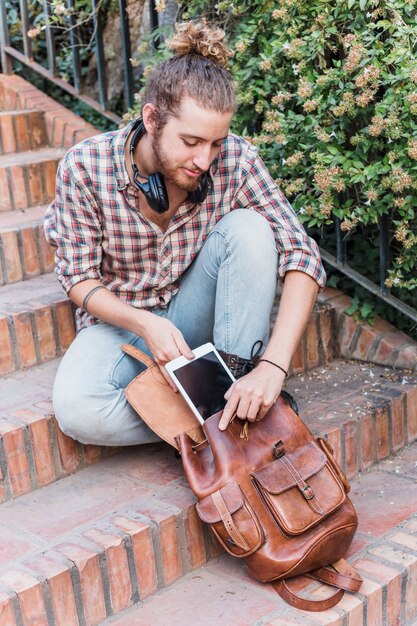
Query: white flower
{"type": "Point", "coordinates": [368, 203]}
{"type": "Point", "coordinates": [60, 9]}
{"type": "Point", "coordinates": [396, 281]}
{"type": "Point", "coordinates": [369, 14]}
{"type": "Point", "coordinates": [332, 134]}
{"type": "Point", "coordinates": [285, 46]}
{"type": "Point", "coordinates": [284, 161]}
{"type": "Point", "coordinates": [302, 211]}
{"type": "Point", "coordinates": [295, 69]}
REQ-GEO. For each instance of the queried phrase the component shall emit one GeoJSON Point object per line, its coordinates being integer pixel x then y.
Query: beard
{"type": "Point", "coordinates": [172, 173]}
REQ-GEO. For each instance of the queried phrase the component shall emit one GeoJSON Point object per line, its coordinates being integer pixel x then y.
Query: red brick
{"type": "Point", "coordinates": [12, 256]}
{"type": "Point", "coordinates": [41, 444]}
{"type": "Point", "coordinates": [327, 333]}
{"type": "Point", "coordinates": [45, 332]}
{"type": "Point", "coordinates": [60, 589]}
{"type": "Point", "coordinates": [215, 548]}
{"type": "Point", "coordinates": [49, 172]}
{"type": "Point", "coordinates": [411, 594]}
{"type": "Point", "coordinates": [143, 552]}
{"type": "Point", "coordinates": [24, 339]}
{"type": "Point", "coordinates": [411, 414]}
{"type": "Point", "coordinates": [312, 343]}
{"type": "Point", "coordinates": [88, 567]}
{"type": "Point", "coordinates": [168, 539]}
{"type": "Point", "coordinates": [21, 201]}
{"type": "Point", "coordinates": [353, 608]}
{"type": "Point", "coordinates": [58, 130]}
{"type": "Point", "coordinates": [6, 351]}
{"type": "Point", "coordinates": [382, 433]}
{"type": "Point", "coordinates": [30, 596]}
{"type": "Point", "coordinates": [195, 538]}
{"type": "Point", "coordinates": [407, 358]}
{"type": "Point", "coordinates": [5, 199]}
{"type": "Point", "coordinates": [92, 453]}
{"type": "Point", "coordinates": [117, 565]}
{"type": "Point", "coordinates": [68, 452]}
{"type": "Point", "coordinates": [398, 429]}
{"type": "Point", "coordinates": [30, 253]}
{"type": "Point", "coordinates": [391, 578]}
{"type": "Point", "coordinates": [8, 141]}
{"type": "Point", "coordinates": [351, 447]}
{"type": "Point", "coordinates": [35, 183]}
{"type": "Point", "coordinates": [373, 593]}
{"type": "Point", "coordinates": [6, 611]}
{"type": "Point", "coordinates": [17, 462]}
{"type": "Point", "coordinates": [334, 436]}
{"type": "Point", "coordinates": [46, 252]}
{"type": "Point", "coordinates": [22, 132]}
{"type": "Point", "coordinates": [366, 453]}
{"type": "Point", "coordinates": [346, 334]}
{"type": "Point", "coordinates": [365, 341]}
{"type": "Point", "coordinates": [65, 322]}
{"type": "Point", "coordinates": [297, 363]}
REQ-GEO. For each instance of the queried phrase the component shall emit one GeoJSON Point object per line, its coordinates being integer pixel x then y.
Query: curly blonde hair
{"type": "Point", "coordinates": [198, 69]}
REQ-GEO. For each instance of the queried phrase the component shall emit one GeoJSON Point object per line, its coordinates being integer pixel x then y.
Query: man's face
{"type": "Point", "coordinates": [188, 143]}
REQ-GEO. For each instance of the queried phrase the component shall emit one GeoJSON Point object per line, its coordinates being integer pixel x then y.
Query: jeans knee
{"type": "Point", "coordinates": [249, 229]}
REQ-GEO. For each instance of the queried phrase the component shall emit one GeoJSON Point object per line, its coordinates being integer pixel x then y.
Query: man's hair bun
{"type": "Point", "coordinates": [201, 38]}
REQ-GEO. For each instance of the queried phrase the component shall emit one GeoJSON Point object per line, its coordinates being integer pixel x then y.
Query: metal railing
{"type": "Point", "coordinates": [381, 291]}
{"type": "Point", "coordinates": [10, 54]}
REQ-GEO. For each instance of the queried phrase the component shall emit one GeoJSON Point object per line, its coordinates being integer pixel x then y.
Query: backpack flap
{"type": "Point", "coordinates": [300, 488]}
{"type": "Point", "coordinates": [232, 520]}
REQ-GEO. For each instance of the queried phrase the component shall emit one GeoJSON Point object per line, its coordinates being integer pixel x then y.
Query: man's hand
{"type": "Point", "coordinates": [252, 396]}
{"type": "Point", "coordinates": [165, 342]}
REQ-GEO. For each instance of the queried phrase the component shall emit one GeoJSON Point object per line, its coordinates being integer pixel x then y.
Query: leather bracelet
{"type": "Point", "coordinates": [88, 296]}
{"type": "Point", "coordinates": [275, 364]}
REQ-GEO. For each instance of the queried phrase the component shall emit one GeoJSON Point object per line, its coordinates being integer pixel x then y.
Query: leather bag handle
{"type": "Point", "coordinates": [339, 574]}
{"type": "Point", "coordinates": [138, 354]}
{"type": "Point", "coordinates": [283, 589]}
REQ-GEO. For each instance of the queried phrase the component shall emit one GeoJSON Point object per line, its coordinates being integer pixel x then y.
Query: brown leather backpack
{"type": "Point", "coordinates": [270, 491]}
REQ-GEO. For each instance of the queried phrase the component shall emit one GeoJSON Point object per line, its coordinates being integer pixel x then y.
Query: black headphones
{"type": "Point", "coordinates": [154, 188]}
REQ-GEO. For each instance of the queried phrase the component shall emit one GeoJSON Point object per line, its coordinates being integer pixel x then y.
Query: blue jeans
{"type": "Point", "coordinates": [225, 297]}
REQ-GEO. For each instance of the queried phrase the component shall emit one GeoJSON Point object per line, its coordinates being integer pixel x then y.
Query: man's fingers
{"type": "Point", "coordinates": [183, 347]}
{"type": "Point", "coordinates": [168, 378]}
{"type": "Point", "coordinates": [228, 412]}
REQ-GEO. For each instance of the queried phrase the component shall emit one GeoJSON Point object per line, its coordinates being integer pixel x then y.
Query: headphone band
{"type": "Point", "coordinates": [154, 188]}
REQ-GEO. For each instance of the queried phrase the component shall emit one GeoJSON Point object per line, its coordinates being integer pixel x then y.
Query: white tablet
{"type": "Point", "coordinates": [202, 381]}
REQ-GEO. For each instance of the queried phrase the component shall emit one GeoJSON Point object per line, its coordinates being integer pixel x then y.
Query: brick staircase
{"type": "Point", "coordinates": [93, 535]}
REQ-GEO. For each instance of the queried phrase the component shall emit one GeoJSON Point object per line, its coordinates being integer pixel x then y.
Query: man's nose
{"type": "Point", "coordinates": [203, 158]}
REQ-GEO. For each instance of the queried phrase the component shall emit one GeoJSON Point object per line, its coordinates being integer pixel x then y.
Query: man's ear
{"type": "Point", "coordinates": [149, 117]}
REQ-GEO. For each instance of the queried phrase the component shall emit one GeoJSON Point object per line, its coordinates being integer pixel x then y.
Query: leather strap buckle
{"type": "Point", "coordinates": [307, 492]}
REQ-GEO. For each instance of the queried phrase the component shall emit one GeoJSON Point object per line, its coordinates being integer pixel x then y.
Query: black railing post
{"type": "Point", "coordinates": [126, 55]}
{"type": "Point", "coordinates": [154, 21]}
{"type": "Point", "coordinates": [27, 44]}
{"type": "Point", "coordinates": [341, 254]}
{"type": "Point", "coordinates": [74, 41]}
{"type": "Point", "coordinates": [6, 62]}
{"type": "Point", "coordinates": [98, 38]}
{"type": "Point", "coordinates": [383, 223]}
{"type": "Point", "coordinates": [50, 40]}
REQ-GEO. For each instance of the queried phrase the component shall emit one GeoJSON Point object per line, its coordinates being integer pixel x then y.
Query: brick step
{"type": "Point", "coordinates": [28, 178]}
{"type": "Point", "coordinates": [366, 412]}
{"type": "Point", "coordinates": [24, 251]}
{"type": "Point", "coordinates": [36, 323]}
{"type": "Point", "coordinates": [22, 130]}
{"type": "Point", "coordinates": [126, 529]}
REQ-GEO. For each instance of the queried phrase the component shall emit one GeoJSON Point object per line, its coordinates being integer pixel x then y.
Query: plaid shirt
{"type": "Point", "coordinates": [98, 231]}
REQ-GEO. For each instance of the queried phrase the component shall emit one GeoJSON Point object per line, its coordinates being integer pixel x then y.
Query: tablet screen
{"type": "Point", "coordinates": [205, 381]}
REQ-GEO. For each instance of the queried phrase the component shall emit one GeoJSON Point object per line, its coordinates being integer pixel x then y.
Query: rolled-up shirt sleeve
{"type": "Point", "coordinates": [297, 251]}
{"type": "Point", "coordinates": [72, 225]}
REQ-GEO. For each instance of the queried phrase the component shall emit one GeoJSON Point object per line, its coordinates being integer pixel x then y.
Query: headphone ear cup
{"type": "Point", "coordinates": [157, 195]}
{"type": "Point", "coordinates": [200, 194]}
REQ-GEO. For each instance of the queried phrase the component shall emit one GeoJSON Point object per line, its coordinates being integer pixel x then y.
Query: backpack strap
{"type": "Point", "coordinates": [138, 354]}
{"type": "Point", "coordinates": [339, 574]}
{"type": "Point", "coordinates": [283, 589]}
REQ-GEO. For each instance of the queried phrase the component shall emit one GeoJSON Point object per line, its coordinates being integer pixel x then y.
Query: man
{"type": "Point", "coordinates": [170, 233]}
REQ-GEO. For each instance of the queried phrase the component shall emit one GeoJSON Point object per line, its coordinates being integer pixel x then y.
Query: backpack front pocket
{"type": "Point", "coordinates": [300, 488]}
{"type": "Point", "coordinates": [232, 520]}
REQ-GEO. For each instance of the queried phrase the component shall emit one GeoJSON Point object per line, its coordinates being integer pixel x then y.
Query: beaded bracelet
{"type": "Point", "coordinates": [275, 364]}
